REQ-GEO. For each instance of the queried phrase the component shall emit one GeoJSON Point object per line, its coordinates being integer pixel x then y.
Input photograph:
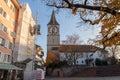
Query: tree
{"type": "Point", "coordinates": [94, 41]}
{"type": "Point", "coordinates": [106, 12]}
{"type": "Point", "coordinates": [52, 58]}
{"type": "Point", "coordinates": [72, 39]}
{"type": "Point", "coordinates": [71, 49]}
{"type": "Point", "coordinates": [113, 50]}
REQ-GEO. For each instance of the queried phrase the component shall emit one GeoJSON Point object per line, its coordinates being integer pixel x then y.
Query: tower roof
{"type": "Point", "coordinates": [53, 19]}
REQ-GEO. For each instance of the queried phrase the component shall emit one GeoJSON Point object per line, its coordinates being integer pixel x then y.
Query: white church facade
{"type": "Point", "coordinates": [73, 54]}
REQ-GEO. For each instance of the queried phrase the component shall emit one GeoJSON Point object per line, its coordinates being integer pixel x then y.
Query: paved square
{"type": "Point", "coordinates": [89, 78]}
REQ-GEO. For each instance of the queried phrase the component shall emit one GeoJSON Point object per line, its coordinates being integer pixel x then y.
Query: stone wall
{"type": "Point", "coordinates": [100, 71]}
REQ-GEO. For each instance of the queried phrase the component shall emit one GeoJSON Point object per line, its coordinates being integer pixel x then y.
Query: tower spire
{"type": "Point", "coordinates": [53, 19]}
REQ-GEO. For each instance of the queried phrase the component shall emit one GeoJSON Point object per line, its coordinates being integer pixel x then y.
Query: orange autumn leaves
{"type": "Point", "coordinates": [51, 58]}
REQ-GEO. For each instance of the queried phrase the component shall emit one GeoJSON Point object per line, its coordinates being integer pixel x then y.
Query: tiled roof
{"type": "Point", "coordinates": [79, 48]}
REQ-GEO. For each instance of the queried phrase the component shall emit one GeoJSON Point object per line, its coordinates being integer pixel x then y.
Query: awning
{"type": "Point", "coordinates": [7, 66]}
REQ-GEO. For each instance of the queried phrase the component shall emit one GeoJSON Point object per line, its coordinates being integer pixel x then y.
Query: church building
{"type": "Point", "coordinates": [53, 36]}
{"type": "Point", "coordinates": [73, 54]}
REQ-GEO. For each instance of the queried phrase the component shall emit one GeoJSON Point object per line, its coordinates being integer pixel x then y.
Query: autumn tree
{"type": "Point", "coordinates": [113, 50]}
{"type": "Point", "coordinates": [105, 12]}
{"type": "Point", "coordinates": [51, 58]}
{"type": "Point", "coordinates": [94, 41]}
{"type": "Point", "coordinates": [71, 53]}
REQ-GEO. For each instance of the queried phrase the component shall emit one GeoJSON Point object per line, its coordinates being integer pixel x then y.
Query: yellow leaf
{"type": "Point", "coordinates": [74, 10]}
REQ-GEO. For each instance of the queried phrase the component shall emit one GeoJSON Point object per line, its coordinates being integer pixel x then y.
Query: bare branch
{"type": "Point", "coordinates": [93, 22]}
{"type": "Point", "coordinates": [85, 2]}
{"type": "Point", "coordinates": [97, 8]}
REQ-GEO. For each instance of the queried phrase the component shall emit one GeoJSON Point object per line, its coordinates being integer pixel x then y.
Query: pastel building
{"type": "Point", "coordinates": [9, 13]}
{"type": "Point", "coordinates": [24, 54]}
{"type": "Point", "coordinates": [24, 42]}
{"type": "Point", "coordinates": [24, 50]}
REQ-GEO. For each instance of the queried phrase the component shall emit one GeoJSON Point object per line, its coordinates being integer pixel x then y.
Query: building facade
{"type": "Point", "coordinates": [24, 54]}
{"type": "Point", "coordinates": [24, 50]}
{"type": "Point", "coordinates": [9, 13]}
{"type": "Point", "coordinates": [25, 41]}
{"type": "Point", "coordinates": [53, 36]}
{"type": "Point", "coordinates": [81, 54]}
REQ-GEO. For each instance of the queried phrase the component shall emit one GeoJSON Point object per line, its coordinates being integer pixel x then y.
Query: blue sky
{"type": "Point", "coordinates": [68, 23]}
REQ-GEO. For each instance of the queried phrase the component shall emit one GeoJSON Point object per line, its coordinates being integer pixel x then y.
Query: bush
{"type": "Point", "coordinates": [104, 63]}
{"type": "Point", "coordinates": [99, 62]}
{"type": "Point", "coordinates": [62, 63]}
{"type": "Point", "coordinates": [113, 61]}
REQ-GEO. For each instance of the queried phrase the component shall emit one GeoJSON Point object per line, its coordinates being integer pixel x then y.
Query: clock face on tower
{"type": "Point", "coordinates": [53, 30]}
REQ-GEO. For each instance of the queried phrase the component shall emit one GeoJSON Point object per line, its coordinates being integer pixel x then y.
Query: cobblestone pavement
{"type": "Point", "coordinates": [89, 78]}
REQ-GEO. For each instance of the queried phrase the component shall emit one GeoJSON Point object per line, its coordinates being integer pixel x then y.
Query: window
{"type": "Point", "coordinates": [12, 7]}
{"type": "Point", "coordinates": [11, 46]}
{"type": "Point", "coordinates": [2, 41]}
{"type": "Point", "coordinates": [5, 29]}
{"type": "Point", "coordinates": [4, 14]}
{"type": "Point", "coordinates": [5, 58]}
{"type": "Point", "coordinates": [13, 34]}
{"type": "Point", "coordinates": [0, 55]}
{"type": "Point", "coordinates": [9, 58]}
{"type": "Point", "coordinates": [1, 10]}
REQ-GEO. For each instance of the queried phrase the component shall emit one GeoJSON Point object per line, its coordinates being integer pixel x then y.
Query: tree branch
{"type": "Point", "coordinates": [96, 8]}
{"type": "Point", "coordinates": [85, 2]}
{"type": "Point", "coordinates": [93, 22]}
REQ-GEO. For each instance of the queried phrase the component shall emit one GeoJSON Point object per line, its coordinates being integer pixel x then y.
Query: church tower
{"type": "Point", "coordinates": [53, 36]}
